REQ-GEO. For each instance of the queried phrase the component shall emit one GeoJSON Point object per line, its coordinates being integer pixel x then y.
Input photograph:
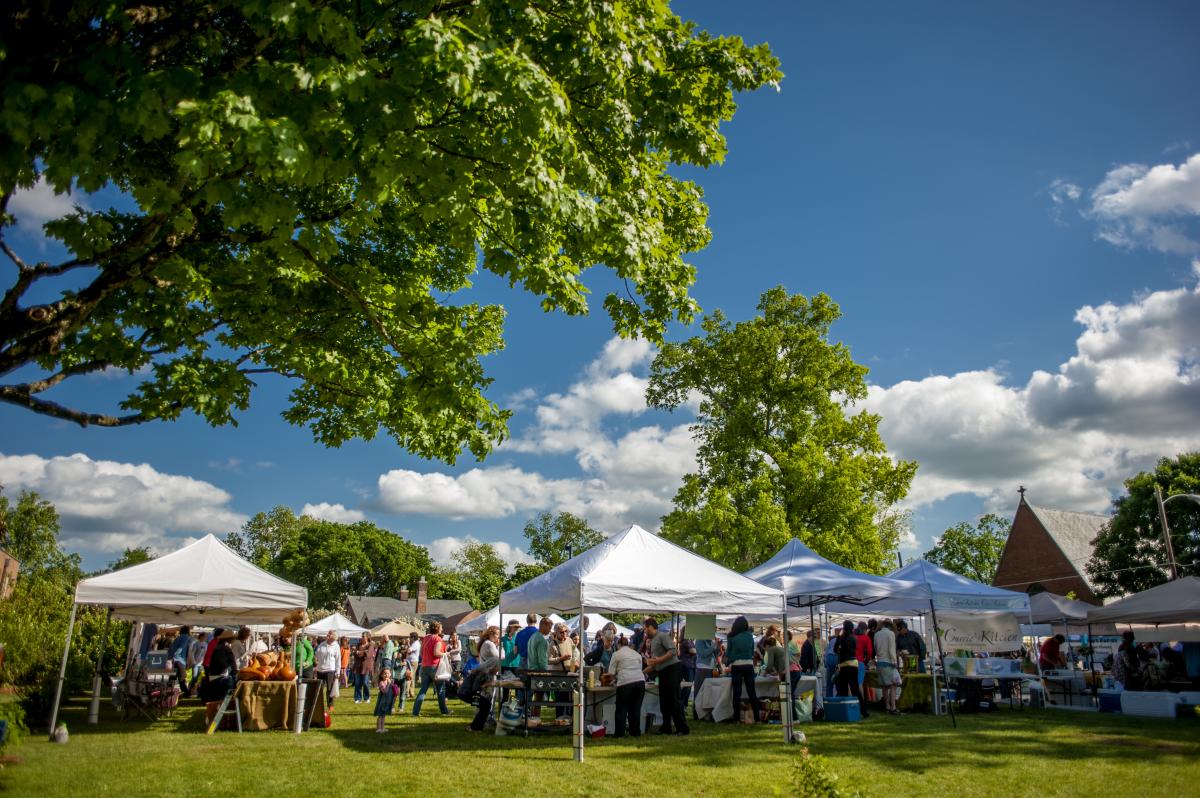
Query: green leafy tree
{"type": "Point", "coordinates": [313, 186]}
{"type": "Point", "coordinates": [334, 560]}
{"type": "Point", "coordinates": [522, 572]}
{"type": "Point", "coordinates": [451, 584]}
{"type": "Point", "coordinates": [32, 531]}
{"type": "Point", "coordinates": [263, 537]}
{"type": "Point", "coordinates": [131, 556]}
{"type": "Point", "coordinates": [551, 536]}
{"type": "Point", "coordinates": [1130, 554]}
{"type": "Point", "coordinates": [972, 551]}
{"type": "Point", "coordinates": [781, 450]}
{"type": "Point", "coordinates": [484, 568]}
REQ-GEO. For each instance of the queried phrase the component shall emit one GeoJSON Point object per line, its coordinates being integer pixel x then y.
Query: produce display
{"type": "Point", "coordinates": [273, 666]}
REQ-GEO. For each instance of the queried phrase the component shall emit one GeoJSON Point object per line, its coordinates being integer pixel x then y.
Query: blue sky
{"type": "Point", "coordinates": [1004, 200]}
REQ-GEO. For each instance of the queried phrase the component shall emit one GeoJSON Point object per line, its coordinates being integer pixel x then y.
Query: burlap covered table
{"type": "Point", "coordinates": [266, 705]}
{"type": "Point", "coordinates": [916, 690]}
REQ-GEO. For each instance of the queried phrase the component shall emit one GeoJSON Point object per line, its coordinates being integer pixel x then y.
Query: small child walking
{"type": "Point", "coordinates": [385, 698]}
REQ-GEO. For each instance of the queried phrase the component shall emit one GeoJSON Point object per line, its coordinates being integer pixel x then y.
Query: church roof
{"type": "Point", "coordinates": [1073, 533]}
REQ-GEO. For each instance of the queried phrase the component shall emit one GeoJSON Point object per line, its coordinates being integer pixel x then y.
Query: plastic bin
{"type": "Point", "coordinates": [1110, 700]}
{"type": "Point", "coordinates": [1151, 705]}
{"type": "Point", "coordinates": [843, 709]}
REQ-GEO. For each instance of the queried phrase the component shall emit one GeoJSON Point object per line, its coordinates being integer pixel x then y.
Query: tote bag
{"type": "Point", "coordinates": [443, 669]}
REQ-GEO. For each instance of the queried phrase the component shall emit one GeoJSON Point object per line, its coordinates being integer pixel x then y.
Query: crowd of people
{"type": "Point", "coordinates": [397, 670]}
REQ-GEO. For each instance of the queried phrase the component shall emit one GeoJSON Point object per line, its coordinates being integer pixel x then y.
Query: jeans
{"type": "Point", "coordinates": [744, 675]}
{"type": "Point", "coordinates": [362, 687]}
{"type": "Point", "coordinates": [428, 672]}
{"type": "Point", "coordinates": [330, 679]}
{"type": "Point", "coordinates": [402, 687]}
{"type": "Point", "coordinates": [668, 699]}
{"type": "Point", "coordinates": [629, 708]}
{"type": "Point", "coordinates": [181, 672]}
{"type": "Point", "coordinates": [702, 673]}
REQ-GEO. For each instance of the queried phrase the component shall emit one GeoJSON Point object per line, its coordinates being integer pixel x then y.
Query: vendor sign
{"type": "Point", "coordinates": [993, 632]}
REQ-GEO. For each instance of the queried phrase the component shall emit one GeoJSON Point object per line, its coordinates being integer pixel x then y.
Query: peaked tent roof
{"type": "Point", "coordinates": [395, 629]}
{"type": "Point", "coordinates": [1177, 601]}
{"type": "Point", "coordinates": [950, 592]}
{"type": "Point", "coordinates": [490, 618]}
{"type": "Point", "coordinates": [340, 624]}
{"type": "Point", "coordinates": [1073, 533]}
{"type": "Point", "coordinates": [596, 622]}
{"type": "Point", "coordinates": [1052, 608]}
{"type": "Point", "coordinates": [635, 571]}
{"type": "Point", "coordinates": [203, 583]}
{"type": "Point", "coordinates": [806, 578]}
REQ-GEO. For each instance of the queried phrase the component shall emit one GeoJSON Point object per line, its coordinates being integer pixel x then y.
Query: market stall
{"type": "Point", "coordinates": [337, 623]}
{"type": "Point", "coordinates": [635, 571]}
{"type": "Point", "coordinates": [492, 617]}
{"type": "Point", "coordinates": [596, 622]}
{"type": "Point", "coordinates": [205, 583]}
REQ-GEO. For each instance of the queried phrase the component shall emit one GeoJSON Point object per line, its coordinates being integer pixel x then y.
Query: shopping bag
{"type": "Point", "coordinates": [443, 669]}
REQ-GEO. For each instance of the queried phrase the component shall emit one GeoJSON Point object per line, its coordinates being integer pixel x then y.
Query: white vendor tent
{"type": "Point", "coordinates": [480, 623]}
{"type": "Point", "coordinates": [596, 622]}
{"type": "Point", "coordinates": [205, 583]}
{"type": "Point", "coordinates": [337, 623]}
{"type": "Point", "coordinates": [1052, 608]}
{"type": "Point", "coordinates": [635, 571]}
{"type": "Point", "coordinates": [1175, 602]}
{"type": "Point", "coordinates": [808, 579]}
{"type": "Point", "coordinates": [948, 591]}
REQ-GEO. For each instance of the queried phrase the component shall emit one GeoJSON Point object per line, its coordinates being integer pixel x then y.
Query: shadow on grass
{"type": "Point", "coordinates": [987, 742]}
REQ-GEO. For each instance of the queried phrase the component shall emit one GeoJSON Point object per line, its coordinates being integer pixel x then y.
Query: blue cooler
{"type": "Point", "coordinates": [842, 708]}
{"type": "Point", "coordinates": [1110, 700]}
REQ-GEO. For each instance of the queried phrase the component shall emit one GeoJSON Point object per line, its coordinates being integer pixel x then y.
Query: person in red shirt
{"type": "Point", "coordinates": [863, 651]}
{"type": "Point", "coordinates": [432, 649]}
{"type": "Point", "coordinates": [1051, 657]}
{"type": "Point", "coordinates": [212, 643]}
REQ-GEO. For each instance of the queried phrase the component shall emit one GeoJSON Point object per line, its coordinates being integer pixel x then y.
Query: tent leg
{"type": "Point", "coordinates": [94, 707]}
{"type": "Point", "coordinates": [1092, 666]}
{"type": "Point", "coordinates": [62, 671]}
{"type": "Point", "coordinates": [942, 661]}
{"type": "Point", "coordinates": [785, 711]}
{"type": "Point", "coordinates": [579, 702]}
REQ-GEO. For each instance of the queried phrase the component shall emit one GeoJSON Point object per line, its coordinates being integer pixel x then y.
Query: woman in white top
{"type": "Point", "coordinates": [489, 664]}
{"type": "Point", "coordinates": [885, 665]}
{"type": "Point", "coordinates": [626, 668]}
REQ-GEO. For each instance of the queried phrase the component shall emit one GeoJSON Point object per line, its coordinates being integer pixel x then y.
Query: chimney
{"type": "Point", "coordinates": [404, 592]}
{"type": "Point", "coordinates": [420, 609]}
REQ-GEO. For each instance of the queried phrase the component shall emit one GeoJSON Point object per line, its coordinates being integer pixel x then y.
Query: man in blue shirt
{"type": "Point", "coordinates": [523, 636]}
{"type": "Point", "coordinates": [177, 655]}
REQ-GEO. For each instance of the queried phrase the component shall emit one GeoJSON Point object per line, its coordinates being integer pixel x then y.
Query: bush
{"type": "Point", "coordinates": [14, 713]}
{"type": "Point", "coordinates": [812, 777]}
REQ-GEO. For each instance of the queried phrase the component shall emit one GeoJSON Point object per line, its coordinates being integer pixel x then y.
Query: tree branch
{"type": "Point", "coordinates": [14, 395]}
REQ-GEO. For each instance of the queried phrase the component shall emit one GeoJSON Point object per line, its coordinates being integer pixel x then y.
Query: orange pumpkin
{"type": "Point", "coordinates": [249, 675]}
{"type": "Point", "coordinates": [286, 673]}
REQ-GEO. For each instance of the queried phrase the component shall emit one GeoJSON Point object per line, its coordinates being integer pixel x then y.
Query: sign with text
{"type": "Point", "coordinates": [993, 632]}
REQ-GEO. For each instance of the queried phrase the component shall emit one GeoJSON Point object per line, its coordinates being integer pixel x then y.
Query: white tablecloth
{"type": "Point", "coordinates": [715, 701]}
{"type": "Point", "coordinates": [602, 706]}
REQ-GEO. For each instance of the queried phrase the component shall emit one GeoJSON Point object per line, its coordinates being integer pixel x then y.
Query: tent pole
{"type": "Point", "coordinates": [942, 660]}
{"type": "Point", "coordinates": [579, 695]}
{"type": "Point", "coordinates": [785, 711]}
{"type": "Point", "coordinates": [62, 671]}
{"type": "Point", "coordinates": [94, 707]}
{"type": "Point", "coordinates": [1092, 666]}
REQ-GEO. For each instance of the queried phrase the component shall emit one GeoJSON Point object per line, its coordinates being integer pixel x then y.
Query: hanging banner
{"type": "Point", "coordinates": [993, 632]}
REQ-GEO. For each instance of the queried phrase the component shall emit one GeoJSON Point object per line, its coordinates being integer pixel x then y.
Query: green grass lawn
{"type": "Point", "coordinates": [1008, 753]}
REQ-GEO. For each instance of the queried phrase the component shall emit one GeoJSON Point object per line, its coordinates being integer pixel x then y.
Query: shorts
{"type": "Point", "coordinates": [886, 673]}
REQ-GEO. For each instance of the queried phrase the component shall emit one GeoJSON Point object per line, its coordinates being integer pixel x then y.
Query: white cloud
{"type": "Point", "coordinates": [1139, 205]}
{"type": "Point", "coordinates": [39, 204]}
{"type": "Point", "coordinates": [105, 506]}
{"type": "Point", "coordinates": [1062, 193]}
{"type": "Point", "coordinates": [1130, 395]}
{"type": "Point", "coordinates": [624, 477]}
{"type": "Point", "coordinates": [338, 513]}
{"type": "Point", "coordinates": [441, 551]}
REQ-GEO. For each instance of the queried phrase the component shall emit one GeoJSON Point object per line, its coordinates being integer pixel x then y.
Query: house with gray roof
{"type": "Point", "coordinates": [371, 611]}
{"type": "Point", "coordinates": [1047, 550]}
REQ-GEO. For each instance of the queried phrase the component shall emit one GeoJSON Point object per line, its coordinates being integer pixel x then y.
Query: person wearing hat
{"type": "Point", "coordinates": [221, 670]}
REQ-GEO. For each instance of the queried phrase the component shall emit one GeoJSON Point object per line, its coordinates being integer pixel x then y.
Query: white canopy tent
{"type": "Point", "coordinates": [635, 571]}
{"type": "Point", "coordinates": [948, 591]}
{"type": "Point", "coordinates": [204, 583]}
{"type": "Point", "coordinates": [480, 623]}
{"type": "Point", "coordinates": [808, 579]}
{"type": "Point", "coordinates": [1175, 602]}
{"type": "Point", "coordinates": [337, 623]}
{"type": "Point", "coordinates": [1052, 608]}
{"type": "Point", "coordinates": [596, 622]}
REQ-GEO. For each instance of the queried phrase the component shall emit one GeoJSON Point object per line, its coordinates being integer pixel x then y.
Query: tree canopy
{"type": "Point", "coordinates": [782, 451]}
{"type": "Point", "coordinates": [1130, 554]}
{"type": "Point", "coordinates": [972, 550]}
{"type": "Point", "coordinates": [551, 536]}
{"type": "Point", "coordinates": [309, 189]}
